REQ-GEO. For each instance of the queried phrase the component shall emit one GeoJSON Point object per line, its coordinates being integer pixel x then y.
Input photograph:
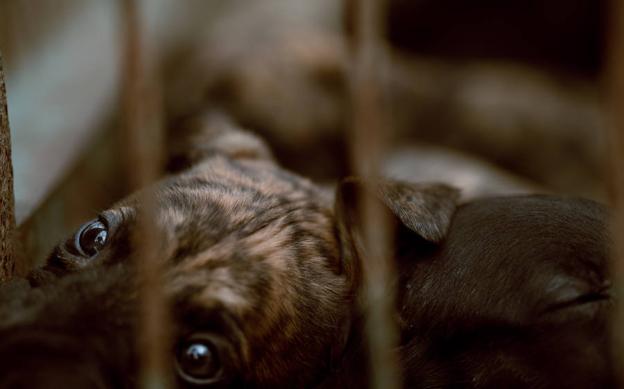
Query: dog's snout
{"type": "Point", "coordinates": [50, 379]}
{"type": "Point", "coordinates": [41, 360]}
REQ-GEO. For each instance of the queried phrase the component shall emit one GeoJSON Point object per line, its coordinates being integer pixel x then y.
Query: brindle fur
{"type": "Point", "coordinates": [264, 261]}
{"type": "Point", "coordinates": [249, 239]}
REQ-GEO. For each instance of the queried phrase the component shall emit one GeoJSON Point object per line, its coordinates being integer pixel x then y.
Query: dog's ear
{"type": "Point", "coordinates": [209, 133]}
{"type": "Point", "coordinates": [420, 212]}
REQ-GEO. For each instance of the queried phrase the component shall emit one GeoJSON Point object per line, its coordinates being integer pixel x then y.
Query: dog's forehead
{"type": "Point", "coordinates": [523, 253]}
{"type": "Point", "coordinates": [544, 229]}
{"type": "Point", "coordinates": [238, 236]}
{"type": "Point", "coordinates": [225, 213]}
{"type": "Point", "coordinates": [224, 198]}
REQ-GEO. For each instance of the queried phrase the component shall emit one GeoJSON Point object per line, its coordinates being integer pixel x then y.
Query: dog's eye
{"type": "Point", "coordinates": [91, 238]}
{"type": "Point", "coordinates": [198, 362]}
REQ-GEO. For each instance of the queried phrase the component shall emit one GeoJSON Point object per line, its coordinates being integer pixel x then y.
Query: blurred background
{"type": "Point", "coordinates": [495, 96]}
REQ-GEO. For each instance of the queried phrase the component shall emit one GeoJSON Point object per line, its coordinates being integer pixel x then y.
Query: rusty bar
{"type": "Point", "coordinates": [140, 141]}
{"type": "Point", "coordinates": [7, 200]}
{"type": "Point", "coordinates": [615, 82]}
{"type": "Point", "coordinates": [368, 143]}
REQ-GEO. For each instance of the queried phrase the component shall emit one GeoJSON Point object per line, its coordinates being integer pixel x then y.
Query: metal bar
{"type": "Point", "coordinates": [615, 78]}
{"type": "Point", "coordinates": [368, 143]}
{"type": "Point", "coordinates": [7, 201]}
{"type": "Point", "coordinates": [141, 137]}
{"type": "Point", "coordinates": [141, 145]}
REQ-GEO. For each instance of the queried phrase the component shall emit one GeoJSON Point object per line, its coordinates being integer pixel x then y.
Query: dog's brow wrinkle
{"type": "Point", "coordinates": [127, 213]}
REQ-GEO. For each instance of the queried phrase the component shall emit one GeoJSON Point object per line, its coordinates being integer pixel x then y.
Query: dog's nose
{"type": "Point", "coordinates": [38, 361]}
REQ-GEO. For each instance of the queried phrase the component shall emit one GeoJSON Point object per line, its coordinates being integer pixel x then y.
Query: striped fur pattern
{"type": "Point", "coordinates": [264, 265]}
{"type": "Point", "coordinates": [246, 241]}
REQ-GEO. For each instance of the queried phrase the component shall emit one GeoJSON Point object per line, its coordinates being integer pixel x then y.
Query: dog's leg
{"type": "Point", "coordinates": [208, 133]}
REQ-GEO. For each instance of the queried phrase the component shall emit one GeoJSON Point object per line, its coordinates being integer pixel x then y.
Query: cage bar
{"type": "Point", "coordinates": [7, 201]}
{"type": "Point", "coordinates": [141, 135]}
{"type": "Point", "coordinates": [615, 80]}
{"type": "Point", "coordinates": [367, 146]}
{"type": "Point", "coordinates": [140, 141]}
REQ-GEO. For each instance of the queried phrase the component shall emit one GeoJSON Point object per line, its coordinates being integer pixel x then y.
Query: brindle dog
{"type": "Point", "coordinates": [264, 279]}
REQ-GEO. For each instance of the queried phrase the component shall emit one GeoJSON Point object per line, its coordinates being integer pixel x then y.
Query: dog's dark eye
{"type": "Point", "coordinates": [198, 362]}
{"type": "Point", "coordinates": [91, 238]}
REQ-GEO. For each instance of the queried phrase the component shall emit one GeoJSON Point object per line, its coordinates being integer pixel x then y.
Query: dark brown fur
{"type": "Point", "coordinates": [263, 263]}
{"type": "Point", "coordinates": [249, 239]}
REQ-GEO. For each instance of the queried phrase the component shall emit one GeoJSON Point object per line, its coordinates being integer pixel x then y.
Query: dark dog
{"type": "Point", "coordinates": [264, 279]}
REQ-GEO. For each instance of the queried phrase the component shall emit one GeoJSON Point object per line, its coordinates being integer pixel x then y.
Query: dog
{"type": "Point", "coordinates": [264, 276]}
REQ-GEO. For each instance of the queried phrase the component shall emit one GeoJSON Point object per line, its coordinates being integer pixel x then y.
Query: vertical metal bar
{"type": "Point", "coordinates": [142, 152]}
{"type": "Point", "coordinates": [615, 82]}
{"type": "Point", "coordinates": [7, 201]}
{"type": "Point", "coordinates": [368, 143]}
{"type": "Point", "coordinates": [141, 138]}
